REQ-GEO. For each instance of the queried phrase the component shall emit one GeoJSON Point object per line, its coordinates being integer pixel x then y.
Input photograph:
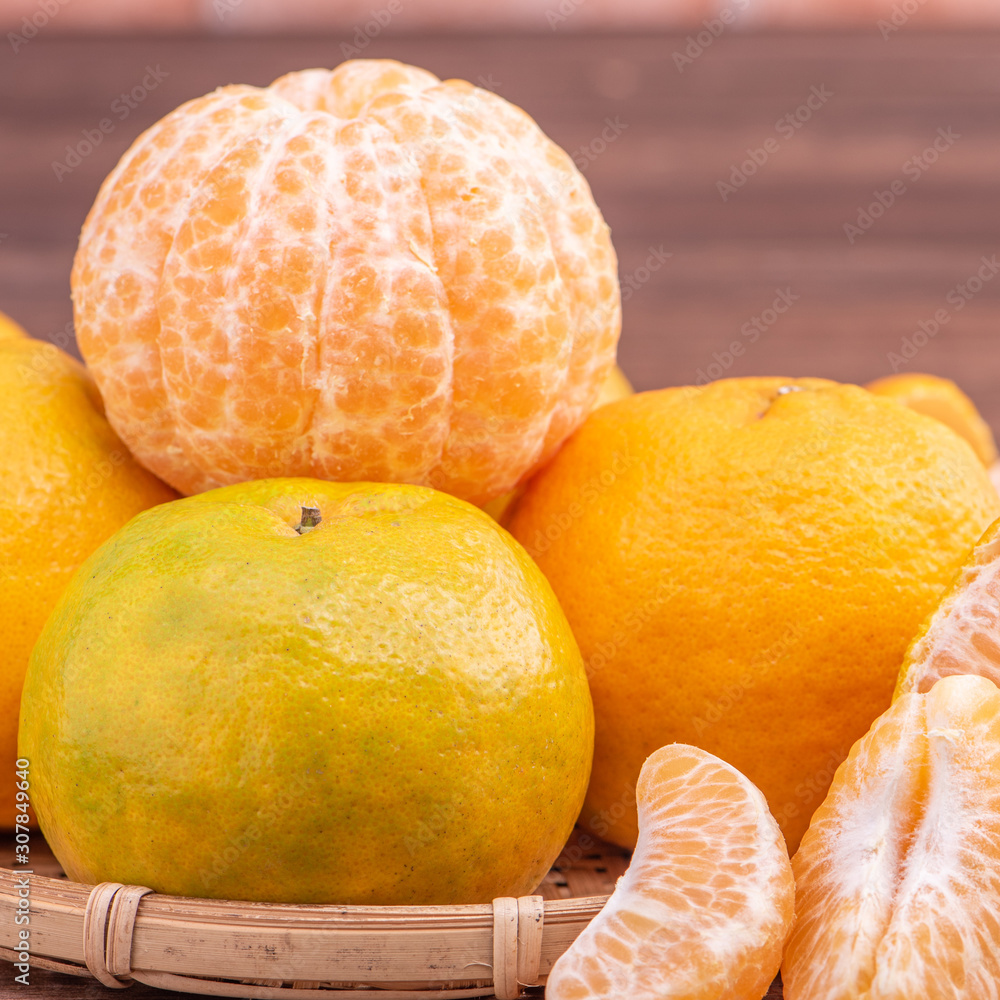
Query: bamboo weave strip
{"type": "Point", "coordinates": [124, 933]}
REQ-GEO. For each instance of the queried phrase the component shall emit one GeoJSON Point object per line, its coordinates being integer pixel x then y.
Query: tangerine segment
{"type": "Point", "coordinates": [898, 877]}
{"type": "Point", "coordinates": [962, 635]}
{"type": "Point", "coordinates": [123, 247]}
{"type": "Point", "coordinates": [347, 89]}
{"type": "Point", "coordinates": [362, 273]}
{"type": "Point", "coordinates": [256, 269]}
{"type": "Point", "coordinates": [512, 311]}
{"type": "Point", "coordinates": [585, 260]}
{"type": "Point", "coordinates": [704, 909]}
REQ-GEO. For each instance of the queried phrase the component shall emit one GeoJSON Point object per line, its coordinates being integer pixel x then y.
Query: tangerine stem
{"type": "Point", "coordinates": [310, 519]}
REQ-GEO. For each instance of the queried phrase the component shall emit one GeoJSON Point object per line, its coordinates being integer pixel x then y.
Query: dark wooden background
{"type": "Point", "coordinates": [675, 132]}
{"type": "Point", "coordinates": [655, 181]}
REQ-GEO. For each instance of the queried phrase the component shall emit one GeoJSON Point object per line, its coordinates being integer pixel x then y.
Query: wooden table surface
{"type": "Point", "coordinates": [705, 245]}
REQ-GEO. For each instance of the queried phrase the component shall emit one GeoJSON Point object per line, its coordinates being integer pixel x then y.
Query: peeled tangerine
{"type": "Point", "coordinates": [898, 877]}
{"type": "Point", "coordinates": [705, 907]}
{"type": "Point", "coordinates": [357, 274]}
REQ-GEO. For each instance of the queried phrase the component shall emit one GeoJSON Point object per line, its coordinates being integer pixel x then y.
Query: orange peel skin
{"type": "Point", "coordinates": [943, 400]}
{"type": "Point", "coordinates": [753, 549]}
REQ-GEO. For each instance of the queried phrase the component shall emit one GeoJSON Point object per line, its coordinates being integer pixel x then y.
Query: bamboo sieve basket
{"type": "Point", "coordinates": [124, 934]}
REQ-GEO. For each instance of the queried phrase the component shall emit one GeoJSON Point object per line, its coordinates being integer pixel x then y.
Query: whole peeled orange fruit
{"type": "Point", "coordinates": [300, 691]}
{"type": "Point", "coordinates": [743, 565]}
{"type": "Point", "coordinates": [357, 274]}
{"type": "Point", "coordinates": [67, 483]}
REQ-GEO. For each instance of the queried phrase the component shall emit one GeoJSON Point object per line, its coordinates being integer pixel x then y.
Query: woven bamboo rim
{"type": "Point", "coordinates": [122, 934]}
